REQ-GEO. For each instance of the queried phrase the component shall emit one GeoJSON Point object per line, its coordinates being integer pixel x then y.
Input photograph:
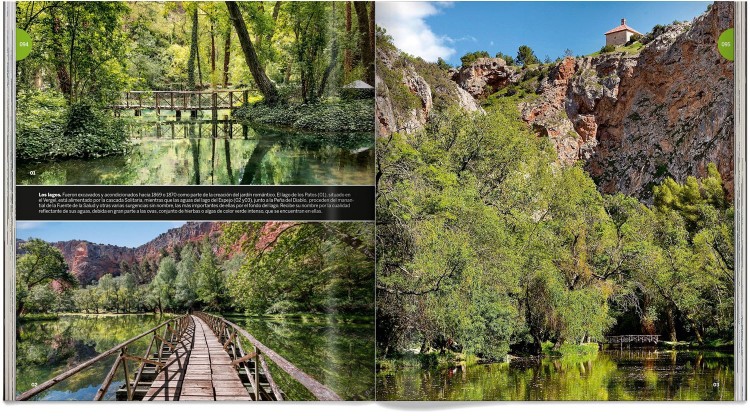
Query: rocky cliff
{"type": "Point", "coordinates": [409, 90]}
{"type": "Point", "coordinates": [89, 261]}
{"type": "Point", "coordinates": [634, 119]}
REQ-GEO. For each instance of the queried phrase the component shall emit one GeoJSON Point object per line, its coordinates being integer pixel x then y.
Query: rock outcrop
{"type": "Point", "coordinates": [408, 90]}
{"type": "Point", "coordinates": [89, 261]}
{"type": "Point", "coordinates": [485, 76]}
{"type": "Point", "coordinates": [638, 119]}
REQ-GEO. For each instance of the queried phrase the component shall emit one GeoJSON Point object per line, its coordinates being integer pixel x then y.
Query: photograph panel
{"type": "Point", "coordinates": [555, 209]}
{"type": "Point", "coordinates": [195, 93]}
{"type": "Point", "coordinates": [158, 311]}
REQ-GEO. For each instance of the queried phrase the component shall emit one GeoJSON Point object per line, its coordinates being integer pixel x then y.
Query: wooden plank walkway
{"type": "Point", "coordinates": [198, 369]}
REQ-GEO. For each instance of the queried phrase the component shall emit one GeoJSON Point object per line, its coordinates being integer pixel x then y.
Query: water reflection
{"type": "Point", "coordinates": [335, 351]}
{"type": "Point", "coordinates": [611, 375]}
{"type": "Point", "coordinates": [217, 152]}
{"type": "Point", "coordinates": [45, 349]}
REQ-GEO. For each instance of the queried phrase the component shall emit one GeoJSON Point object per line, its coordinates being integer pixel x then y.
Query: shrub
{"type": "Point", "coordinates": [341, 116]}
{"type": "Point", "coordinates": [47, 129]}
{"type": "Point", "coordinates": [607, 49]}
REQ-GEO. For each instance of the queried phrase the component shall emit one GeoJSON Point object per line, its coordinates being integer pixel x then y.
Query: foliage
{"type": "Point", "coordinates": [295, 267]}
{"type": "Point", "coordinates": [486, 246]}
{"type": "Point", "coordinates": [48, 129]}
{"type": "Point", "coordinates": [607, 49]}
{"type": "Point", "coordinates": [525, 56]}
{"type": "Point", "coordinates": [471, 57]}
{"type": "Point", "coordinates": [38, 265]}
{"type": "Point", "coordinates": [335, 116]}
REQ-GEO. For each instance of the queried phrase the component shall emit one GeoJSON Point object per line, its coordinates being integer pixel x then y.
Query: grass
{"type": "Point", "coordinates": [567, 350]}
{"type": "Point", "coordinates": [633, 48]}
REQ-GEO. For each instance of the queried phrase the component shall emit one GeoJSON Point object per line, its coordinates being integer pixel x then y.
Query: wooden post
{"type": "Point", "coordinates": [245, 97]}
{"type": "Point", "coordinates": [257, 373]}
{"type": "Point", "coordinates": [125, 370]}
{"type": "Point", "coordinates": [214, 106]}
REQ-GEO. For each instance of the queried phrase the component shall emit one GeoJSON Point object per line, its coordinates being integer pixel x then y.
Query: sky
{"type": "Point", "coordinates": [451, 29]}
{"type": "Point", "coordinates": [120, 233]}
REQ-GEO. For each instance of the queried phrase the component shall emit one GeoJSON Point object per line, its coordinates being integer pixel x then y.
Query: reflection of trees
{"type": "Point", "coordinates": [45, 349]}
{"type": "Point", "coordinates": [183, 156]}
{"type": "Point", "coordinates": [339, 355]}
{"type": "Point", "coordinates": [613, 375]}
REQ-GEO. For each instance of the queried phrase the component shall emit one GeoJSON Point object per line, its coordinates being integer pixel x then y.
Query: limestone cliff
{"type": "Point", "coordinates": [634, 118]}
{"type": "Point", "coordinates": [408, 90]}
{"type": "Point", "coordinates": [638, 119]}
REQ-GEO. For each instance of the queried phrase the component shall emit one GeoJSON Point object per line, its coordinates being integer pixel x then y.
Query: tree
{"type": "Point", "coordinates": [186, 283]}
{"type": "Point", "coordinates": [507, 58]}
{"type": "Point", "coordinates": [162, 288]}
{"type": "Point", "coordinates": [40, 264]}
{"type": "Point", "coordinates": [266, 87]}
{"type": "Point", "coordinates": [193, 49]}
{"type": "Point", "coordinates": [471, 57]}
{"type": "Point", "coordinates": [442, 64]}
{"type": "Point", "coordinates": [526, 56]}
{"type": "Point", "coordinates": [210, 290]}
{"type": "Point", "coordinates": [366, 29]}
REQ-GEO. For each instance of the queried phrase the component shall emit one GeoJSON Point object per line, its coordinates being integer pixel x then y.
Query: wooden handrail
{"type": "Point", "coordinates": [120, 348]}
{"type": "Point", "coordinates": [320, 391]}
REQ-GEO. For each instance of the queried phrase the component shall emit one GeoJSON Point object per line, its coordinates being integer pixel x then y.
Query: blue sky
{"type": "Point", "coordinates": [451, 29]}
{"type": "Point", "coordinates": [126, 234]}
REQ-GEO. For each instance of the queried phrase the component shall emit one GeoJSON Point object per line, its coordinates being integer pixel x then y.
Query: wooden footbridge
{"type": "Point", "coordinates": [179, 101]}
{"type": "Point", "coordinates": [632, 339]}
{"type": "Point", "coordinates": [194, 357]}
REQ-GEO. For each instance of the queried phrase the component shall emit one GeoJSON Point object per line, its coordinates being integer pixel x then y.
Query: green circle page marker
{"type": "Point", "coordinates": [23, 44]}
{"type": "Point", "coordinates": [726, 44]}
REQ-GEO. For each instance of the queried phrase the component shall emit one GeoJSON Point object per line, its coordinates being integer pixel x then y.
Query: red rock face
{"type": "Point", "coordinates": [638, 119]}
{"type": "Point", "coordinates": [90, 261]}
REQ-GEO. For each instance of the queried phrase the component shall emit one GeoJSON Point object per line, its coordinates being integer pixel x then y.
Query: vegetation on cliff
{"type": "Point", "coordinates": [487, 245]}
{"type": "Point", "coordinates": [275, 269]}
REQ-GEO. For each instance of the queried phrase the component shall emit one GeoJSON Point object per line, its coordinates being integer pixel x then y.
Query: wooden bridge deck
{"type": "Point", "coordinates": [198, 369]}
{"type": "Point", "coordinates": [193, 357]}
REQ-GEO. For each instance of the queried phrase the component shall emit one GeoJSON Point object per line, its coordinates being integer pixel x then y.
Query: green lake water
{"type": "Point", "coordinates": [226, 153]}
{"type": "Point", "coordinates": [637, 374]}
{"type": "Point", "coordinates": [47, 348]}
{"type": "Point", "coordinates": [338, 353]}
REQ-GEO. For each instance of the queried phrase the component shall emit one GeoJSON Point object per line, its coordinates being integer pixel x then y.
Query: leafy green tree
{"type": "Point", "coordinates": [186, 284]}
{"type": "Point", "coordinates": [162, 288]}
{"type": "Point", "coordinates": [211, 289]}
{"type": "Point", "coordinates": [40, 264]}
{"type": "Point", "coordinates": [471, 57]}
{"type": "Point", "coordinates": [526, 56]}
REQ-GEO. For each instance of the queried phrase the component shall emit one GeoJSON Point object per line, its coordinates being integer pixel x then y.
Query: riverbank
{"type": "Point", "coordinates": [344, 116]}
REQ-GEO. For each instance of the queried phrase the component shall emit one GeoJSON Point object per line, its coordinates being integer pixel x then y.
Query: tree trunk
{"type": "Point", "coordinates": [348, 50]}
{"type": "Point", "coordinates": [193, 52]}
{"type": "Point", "coordinates": [213, 55]}
{"type": "Point", "coordinates": [227, 52]}
{"type": "Point", "coordinates": [371, 57]}
{"type": "Point", "coordinates": [334, 58]}
{"type": "Point", "coordinates": [671, 323]}
{"type": "Point", "coordinates": [264, 84]}
{"type": "Point", "coordinates": [363, 27]}
{"type": "Point", "coordinates": [63, 77]}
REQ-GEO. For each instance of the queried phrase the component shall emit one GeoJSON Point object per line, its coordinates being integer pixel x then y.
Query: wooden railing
{"type": "Point", "coordinates": [183, 100]}
{"type": "Point", "coordinates": [229, 333]}
{"type": "Point", "coordinates": [173, 329]}
{"type": "Point", "coordinates": [634, 339]}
